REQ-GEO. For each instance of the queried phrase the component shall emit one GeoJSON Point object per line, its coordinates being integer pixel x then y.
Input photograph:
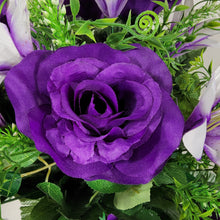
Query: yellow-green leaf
{"type": "Point", "coordinates": [133, 196]}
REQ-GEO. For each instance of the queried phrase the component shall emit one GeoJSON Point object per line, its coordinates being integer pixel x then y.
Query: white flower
{"type": "Point", "coordinates": [202, 129]}
{"type": "Point", "coordinates": [16, 43]}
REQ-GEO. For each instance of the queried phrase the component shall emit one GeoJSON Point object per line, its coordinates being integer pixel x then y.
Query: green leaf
{"type": "Point", "coordinates": [45, 209]}
{"type": "Point", "coordinates": [156, 43]}
{"type": "Point", "coordinates": [146, 214]}
{"type": "Point", "coordinates": [61, 218]}
{"type": "Point", "coordinates": [133, 196]}
{"type": "Point", "coordinates": [212, 24]}
{"type": "Point", "coordinates": [22, 156]}
{"type": "Point", "coordinates": [105, 186]}
{"type": "Point", "coordinates": [163, 178]}
{"type": "Point", "coordinates": [75, 6]}
{"type": "Point", "coordinates": [16, 148]}
{"type": "Point", "coordinates": [10, 184]}
{"type": "Point", "coordinates": [128, 22]}
{"type": "Point", "coordinates": [2, 5]}
{"type": "Point", "coordinates": [161, 199]}
{"type": "Point", "coordinates": [207, 213]}
{"type": "Point", "coordinates": [162, 4]}
{"type": "Point", "coordinates": [52, 190]}
{"type": "Point", "coordinates": [181, 7]}
{"type": "Point", "coordinates": [177, 172]}
{"type": "Point", "coordinates": [26, 208]}
{"type": "Point", "coordinates": [101, 22]}
{"type": "Point", "coordinates": [115, 37]}
{"type": "Point", "coordinates": [84, 30]}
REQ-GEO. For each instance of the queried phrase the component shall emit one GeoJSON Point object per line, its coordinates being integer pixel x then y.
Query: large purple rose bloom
{"type": "Point", "coordinates": [99, 113]}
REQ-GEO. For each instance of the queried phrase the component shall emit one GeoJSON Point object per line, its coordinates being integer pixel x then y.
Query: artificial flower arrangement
{"type": "Point", "coordinates": [107, 110]}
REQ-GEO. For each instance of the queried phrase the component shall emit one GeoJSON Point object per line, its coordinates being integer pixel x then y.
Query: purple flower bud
{"type": "Point", "coordinates": [112, 217]}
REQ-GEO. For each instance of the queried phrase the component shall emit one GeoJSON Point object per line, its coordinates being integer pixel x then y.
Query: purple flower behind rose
{"type": "Point", "coordinates": [113, 8]}
{"type": "Point", "coordinates": [2, 121]}
{"type": "Point", "coordinates": [138, 6]}
{"type": "Point", "coordinates": [15, 38]}
{"type": "Point", "coordinates": [99, 113]}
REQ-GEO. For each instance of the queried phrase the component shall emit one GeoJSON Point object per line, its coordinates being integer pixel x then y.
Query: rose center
{"type": "Point", "coordinates": [91, 100]}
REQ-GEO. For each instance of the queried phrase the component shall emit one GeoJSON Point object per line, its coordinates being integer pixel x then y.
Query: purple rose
{"type": "Point", "coordinates": [15, 38]}
{"type": "Point", "coordinates": [99, 113]}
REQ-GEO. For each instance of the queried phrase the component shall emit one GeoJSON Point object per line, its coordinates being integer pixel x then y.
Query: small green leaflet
{"type": "Point", "coordinates": [133, 196]}
{"type": "Point", "coordinates": [10, 184]}
{"type": "Point", "coordinates": [52, 190]}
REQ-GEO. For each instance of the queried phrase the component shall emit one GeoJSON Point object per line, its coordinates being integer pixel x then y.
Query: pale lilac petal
{"type": "Point", "coordinates": [213, 154]}
{"type": "Point", "coordinates": [2, 77]}
{"type": "Point", "coordinates": [194, 140]}
{"type": "Point", "coordinates": [19, 24]}
{"type": "Point", "coordinates": [111, 8]}
{"type": "Point", "coordinates": [9, 55]}
{"type": "Point", "coordinates": [196, 126]}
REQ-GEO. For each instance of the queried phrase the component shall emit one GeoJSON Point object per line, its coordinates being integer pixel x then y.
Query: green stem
{"type": "Point", "coordinates": [38, 170]}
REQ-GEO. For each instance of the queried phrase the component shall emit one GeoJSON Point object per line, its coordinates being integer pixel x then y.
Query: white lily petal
{"type": "Point", "coordinates": [2, 77]}
{"type": "Point", "coordinates": [9, 55]}
{"type": "Point", "coordinates": [194, 140]}
{"type": "Point", "coordinates": [208, 98]}
{"type": "Point", "coordinates": [216, 78]}
{"type": "Point", "coordinates": [19, 23]}
{"type": "Point", "coordinates": [213, 154]}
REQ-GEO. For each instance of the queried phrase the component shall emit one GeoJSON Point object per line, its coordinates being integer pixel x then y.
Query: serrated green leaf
{"type": "Point", "coordinates": [115, 37]}
{"type": "Point", "coordinates": [84, 30]}
{"type": "Point", "coordinates": [26, 208]}
{"type": "Point", "coordinates": [45, 209]}
{"type": "Point", "coordinates": [181, 7]}
{"type": "Point", "coordinates": [163, 178]}
{"type": "Point", "coordinates": [105, 186]}
{"type": "Point", "coordinates": [177, 172]}
{"type": "Point", "coordinates": [22, 156]}
{"type": "Point", "coordinates": [52, 190]}
{"type": "Point", "coordinates": [75, 6]}
{"type": "Point", "coordinates": [133, 196]}
{"type": "Point", "coordinates": [10, 184]}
